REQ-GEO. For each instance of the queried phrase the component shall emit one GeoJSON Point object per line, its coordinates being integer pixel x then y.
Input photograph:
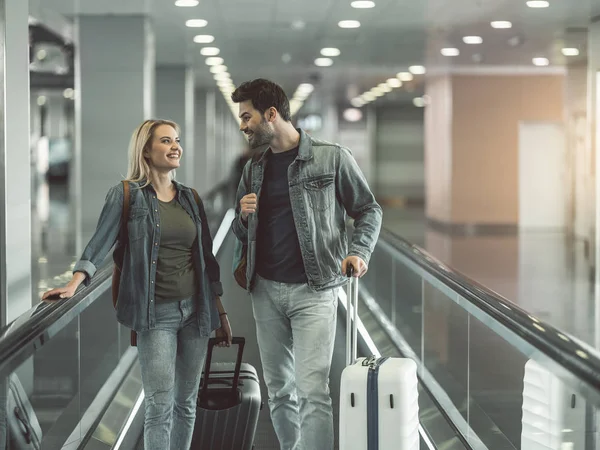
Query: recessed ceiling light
{"type": "Point", "coordinates": [419, 102]}
{"type": "Point", "coordinates": [349, 24]}
{"type": "Point", "coordinates": [352, 114]}
{"type": "Point", "coordinates": [384, 87]}
{"type": "Point", "coordinates": [472, 40]}
{"type": "Point", "coordinates": [186, 3]}
{"type": "Point", "coordinates": [369, 96]}
{"type": "Point", "coordinates": [394, 83]}
{"type": "Point", "coordinates": [362, 4]}
{"type": "Point", "coordinates": [323, 62]}
{"type": "Point", "coordinates": [305, 87]}
{"type": "Point", "coordinates": [222, 76]}
{"type": "Point", "coordinates": [450, 52]}
{"type": "Point", "coordinates": [538, 4]}
{"type": "Point", "coordinates": [196, 23]}
{"type": "Point", "coordinates": [357, 102]}
{"type": "Point", "coordinates": [377, 92]}
{"type": "Point", "coordinates": [330, 51]}
{"type": "Point", "coordinates": [501, 24]}
{"type": "Point", "coordinates": [541, 61]}
{"type": "Point", "coordinates": [204, 39]}
{"type": "Point", "coordinates": [214, 61]}
{"type": "Point", "coordinates": [417, 70]}
{"type": "Point", "coordinates": [218, 69]}
{"type": "Point", "coordinates": [570, 52]}
{"type": "Point", "coordinates": [405, 76]}
{"type": "Point", "coordinates": [210, 51]}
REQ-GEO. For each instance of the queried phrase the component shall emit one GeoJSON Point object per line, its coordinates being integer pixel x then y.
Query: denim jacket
{"type": "Point", "coordinates": [135, 304]}
{"type": "Point", "coordinates": [325, 184]}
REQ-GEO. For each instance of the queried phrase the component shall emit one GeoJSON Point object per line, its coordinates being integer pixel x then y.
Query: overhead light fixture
{"type": "Point", "coordinates": [450, 51]}
{"type": "Point", "coordinates": [352, 114]}
{"type": "Point", "coordinates": [538, 4]}
{"type": "Point", "coordinates": [210, 51]}
{"type": "Point", "coordinates": [394, 83]}
{"type": "Point", "coordinates": [501, 24]}
{"type": "Point", "coordinates": [305, 87]}
{"type": "Point", "coordinates": [419, 102]}
{"type": "Point", "coordinates": [349, 24]}
{"type": "Point", "coordinates": [541, 61]}
{"type": "Point", "coordinates": [405, 76]}
{"type": "Point", "coordinates": [41, 100]}
{"type": "Point", "coordinates": [68, 93]}
{"type": "Point", "coordinates": [417, 70]}
{"type": "Point", "coordinates": [363, 4]}
{"type": "Point", "coordinates": [323, 62]}
{"type": "Point", "coordinates": [330, 51]}
{"type": "Point", "coordinates": [384, 87]}
{"type": "Point", "coordinates": [570, 52]}
{"type": "Point", "coordinates": [357, 102]}
{"type": "Point", "coordinates": [369, 96]}
{"type": "Point", "coordinates": [222, 76]}
{"type": "Point", "coordinates": [204, 39]}
{"type": "Point", "coordinates": [196, 23]}
{"type": "Point", "coordinates": [214, 61]}
{"type": "Point", "coordinates": [186, 3]}
{"type": "Point", "coordinates": [377, 92]}
{"type": "Point", "coordinates": [218, 69]}
{"type": "Point", "coordinates": [473, 40]}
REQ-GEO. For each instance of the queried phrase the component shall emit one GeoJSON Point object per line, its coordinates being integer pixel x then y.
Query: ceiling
{"type": "Point", "coordinates": [253, 36]}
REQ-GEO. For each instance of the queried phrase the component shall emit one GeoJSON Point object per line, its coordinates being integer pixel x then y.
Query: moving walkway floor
{"type": "Point", "coordinates": [238, 305]}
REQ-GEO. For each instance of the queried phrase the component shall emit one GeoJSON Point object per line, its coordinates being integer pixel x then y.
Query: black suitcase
{"type": "Point", "coordinates": [228, 404]}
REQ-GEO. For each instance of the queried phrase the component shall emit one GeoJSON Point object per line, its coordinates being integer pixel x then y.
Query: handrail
{"type": "Point", "coordinates": [578, 358]}
{"type": "Point", "coordinates": [34, 328]}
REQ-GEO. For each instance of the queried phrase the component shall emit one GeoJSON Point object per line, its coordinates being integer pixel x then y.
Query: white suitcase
{"type": "Point", "coordinates": [379, 407]}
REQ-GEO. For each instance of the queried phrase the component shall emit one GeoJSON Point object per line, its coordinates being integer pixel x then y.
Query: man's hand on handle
{"type": "Point", "coordinates": [360, 267]}
{"type": "Point", "coordinates": [248, 205]}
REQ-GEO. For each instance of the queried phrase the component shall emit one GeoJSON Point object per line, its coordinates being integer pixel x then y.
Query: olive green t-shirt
{"type": "Point", "coordinates": [175, 274]}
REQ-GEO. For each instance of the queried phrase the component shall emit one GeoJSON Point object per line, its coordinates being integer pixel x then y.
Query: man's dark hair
{"type": "Point", "coordinates": [264, 94]}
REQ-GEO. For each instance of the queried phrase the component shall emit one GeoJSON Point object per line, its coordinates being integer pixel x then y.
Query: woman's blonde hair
{"type": "Point", "coordinates": [138, 167]}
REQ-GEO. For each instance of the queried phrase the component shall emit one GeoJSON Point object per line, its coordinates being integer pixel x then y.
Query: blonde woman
{"type": "Point", "coordinates": [170, 284]}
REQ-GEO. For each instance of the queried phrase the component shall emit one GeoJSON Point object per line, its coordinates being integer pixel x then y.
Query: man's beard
{"type": "Point", "coordinates": [261, 136]}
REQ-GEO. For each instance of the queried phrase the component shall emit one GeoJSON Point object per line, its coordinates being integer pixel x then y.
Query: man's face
{"type": "Point", "coordinates": [254, 125]}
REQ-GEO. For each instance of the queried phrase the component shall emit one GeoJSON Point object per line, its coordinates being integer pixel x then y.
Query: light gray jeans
{"type": "Point", "coordinates": [171, 359]}
{"type": "Point", "coordinates": [295, 328]}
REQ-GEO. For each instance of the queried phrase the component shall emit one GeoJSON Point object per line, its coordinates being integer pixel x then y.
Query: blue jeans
{"type": "Point", "coordinates": [171, 359]}
{"type": "Point", "coordinates": [295, 328]}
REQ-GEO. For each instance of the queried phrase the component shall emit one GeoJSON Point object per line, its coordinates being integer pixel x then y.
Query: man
{"type": "Point", "coordinates": [292, 204]}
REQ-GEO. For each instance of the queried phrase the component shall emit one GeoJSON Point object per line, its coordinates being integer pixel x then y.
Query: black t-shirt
{"type": "Point", "coordinates": [278, 256]}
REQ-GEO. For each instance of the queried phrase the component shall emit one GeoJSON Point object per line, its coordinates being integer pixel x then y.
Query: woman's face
{"type": "Point", "coordinates": [165, 152]}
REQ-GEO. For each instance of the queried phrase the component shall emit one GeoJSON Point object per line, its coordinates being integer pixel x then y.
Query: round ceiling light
{"type": "Point", "coordinates": [214, 61]}
{"type": "Point", "coordinates": [352, 114]}
{"type": "Point", "coordinates": [204, 39]}
{"type": "Point", "coordinates": [330, 51]}
{"type": "Point", "coordinates": [349, 24]}
{"type": "Point", "coordinates": [196, 23]}
{"type": "Point", "coordinates": [363, 4]}
{"type": "Point", "coordinates": [210, 51]}
{"type": "Point", "coordinates": [323, 62]}
{"type": "Point", "coordinates": [186, 3]}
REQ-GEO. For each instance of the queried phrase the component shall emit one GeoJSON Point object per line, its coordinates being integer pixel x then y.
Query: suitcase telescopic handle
{"type": "Point", "coordinates": [351, 316]}
{"type": "Point", "coordinates": [240, 342]}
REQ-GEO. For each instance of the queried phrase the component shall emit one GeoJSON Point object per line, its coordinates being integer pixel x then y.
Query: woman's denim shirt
{"type": "Point", "coordinates": [135, 304]}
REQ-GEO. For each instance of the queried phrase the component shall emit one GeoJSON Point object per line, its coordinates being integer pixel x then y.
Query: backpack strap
{"type": "Point", "coordinates": [123, 235]}
{"type": "Point", "coordinates": [198, 199]}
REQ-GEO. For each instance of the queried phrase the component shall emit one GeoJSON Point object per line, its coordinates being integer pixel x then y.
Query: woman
{"type": "Point", "coordinates": [169, 291]}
